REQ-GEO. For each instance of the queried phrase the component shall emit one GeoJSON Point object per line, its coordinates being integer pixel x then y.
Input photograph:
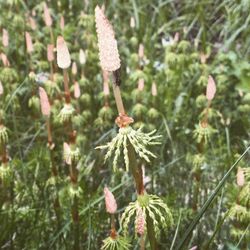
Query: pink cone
{"type": "Point", "coordinates": [82, 57]}
{"type": "Point", "coordinates": [141, 84]}
{"type": "Point", "coordinates": [240, 177]}
{"type": "Point", "coordinates": [5, 38]}
{"type": "Point", "coordinates": [32, 23]}
{"type": "Point", "coordinates": [140, 221]}
{"type": "Point", "coordinates": [141, 51]}
{"type": "Point", "coordinates": [154, 89]}
{"type": "Point", "coordinates": [62, 23]}
{"type": "Point", "coordinates": [211, 88]}
{"type": "Point", "coordinates": [29, 44]}
{"type": "Point", "coordinates": [77, 90]}
{"type": "Point", "coordinates": [108, 51]}
{"type": "Point", "coordinates": [74, 68]}
{"type": "Point", "coordinates": [63, 56]}
{"type": "Point", "coordinates": [44, 102]}
{"type": "Point", "coordinates": [111, 205]}
{"type": "Point", "coordinates": [47, 17]}
{"type": "Point", "coordinates": [5, 60]}
{"type": "Point", "coordinates": [50, 52]}
{"type": "Point", "coordinates": [66, 153]}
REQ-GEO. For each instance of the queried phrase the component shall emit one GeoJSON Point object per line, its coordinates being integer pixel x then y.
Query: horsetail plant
{"type": "Point", "coordinates": [71, 151]}
{"type": "Point", "coordinates": [128, 141]}
{"type": "Point", "coordinates": [202, 134]}
{"type": "Point", "coordinates": [53, 180]}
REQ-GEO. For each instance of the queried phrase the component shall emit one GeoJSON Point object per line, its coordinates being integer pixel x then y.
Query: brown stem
{"type": "Point", "coordinates": [142, 243]}
{"type": "Point", "coordinates": [136, 170]}
{"type": "Point", "coordinates": [151, 233]}
{"type": "Point", "coordinates": [66, 85]}
{"type": "Point", "coordinates": [49, 131]}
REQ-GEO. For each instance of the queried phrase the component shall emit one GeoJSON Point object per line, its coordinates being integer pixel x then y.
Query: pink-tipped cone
{"type": "Point", "coordinates": [5, 60]}
{"type": "Point", "coordinates": [44, 101]}
{"type": "Point", "coordinates": [66, 153]}
{"type": "Point", "coordinates": [62, 23]}
{"type": "Point", "coordinates": [240, 177]}
{"type": "Point", "coordinates": [108, 51]}
{"type": "Point", "coordinates": [5, 38]}
{"type": "Point", "coordinates": [77, 90]}
{"type": "Point", "coordinates": [211, 88]}
{"type": "Point", "coordinates": [141, 84]}
{"type": "Point", "coordinates": [154, 89]}
{"type": "Point", "coordinates": [63, 56]}
{"type": "Point", "coordinates": [82, 57]}
{"type": "Point", "coordinates": [74, 68]}
{"type": "Point", "coordinates": [50, 52]}
{"type": "Point", "coordinates": [47, 17]}
{"type": "Point", "coordinates": [110, 201]}
{"type": "Point", "coordinates": [140, 221]}
{"type": "Point", "coordinates": [29, 44]}
{"type": "Point", "coordinates": [141, 51]}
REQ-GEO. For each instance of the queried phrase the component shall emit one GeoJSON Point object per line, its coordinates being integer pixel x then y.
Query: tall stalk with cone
{"type": "Point", "coordinates": [131, 143]}
{"type": "Point", "coordinates": [71, 152]}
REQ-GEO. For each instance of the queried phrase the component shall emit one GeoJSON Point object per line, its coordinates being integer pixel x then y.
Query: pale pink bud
{"type": "Point", "coordinates": [29, 43]}
{"type": "Point", "coordinates": [63, 56]}
{"type": "Point", "coordinates": [203, 58]}
{"type": "Point", "coordinates": [141, 84]}
{"type": "Point", "coordinates": [154, 89]}
{"type": "Point", "coordinates": [47, 17]}
{"type": "Point", "coordinates": [132, 22]}
{"type": "Point", "coordinates": [140, 221]}
{"type": "Point", "coordinates": [240, 177]}
{"type": "Point", "coordinates": [62, 23]}
{"type": "Point", "coordinates": [50, 52]}
{"type": "Point", "coordinates": [5, 60]}
{"type": "Point", "coordinates": [110, 201]}
{"type": "Point", "coordinates": [1, 88]}
{"type": "Point", "coordinates": [141, 51]}
{"type": "Point", "coordinates": [82, 57]}
{"type": "Point", "coordinates": [211, 88]}
{"type": "Point", "coordinates": [74, 68]}
{"type": "Point", "coordinates": [105, 75]}
{"type": "Point", "coordinates": [66, 153]}
{"type": "Point", "coordinates": [5, 38]}
{"type": "Point", "coordinates": [176, 37]}
{"type": "Point", "coordinates": [33, 12]}
{"type": "Point", "coordinates": [77, 90]}
{"type": "Point", "coordinates": [44, 102]}
{"type": "Point", "coordinates": [32, 23]}
{"type": "Point", "coordinates": [194, 248]}
{"type": "Point", "coordinates": [108, 51]}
